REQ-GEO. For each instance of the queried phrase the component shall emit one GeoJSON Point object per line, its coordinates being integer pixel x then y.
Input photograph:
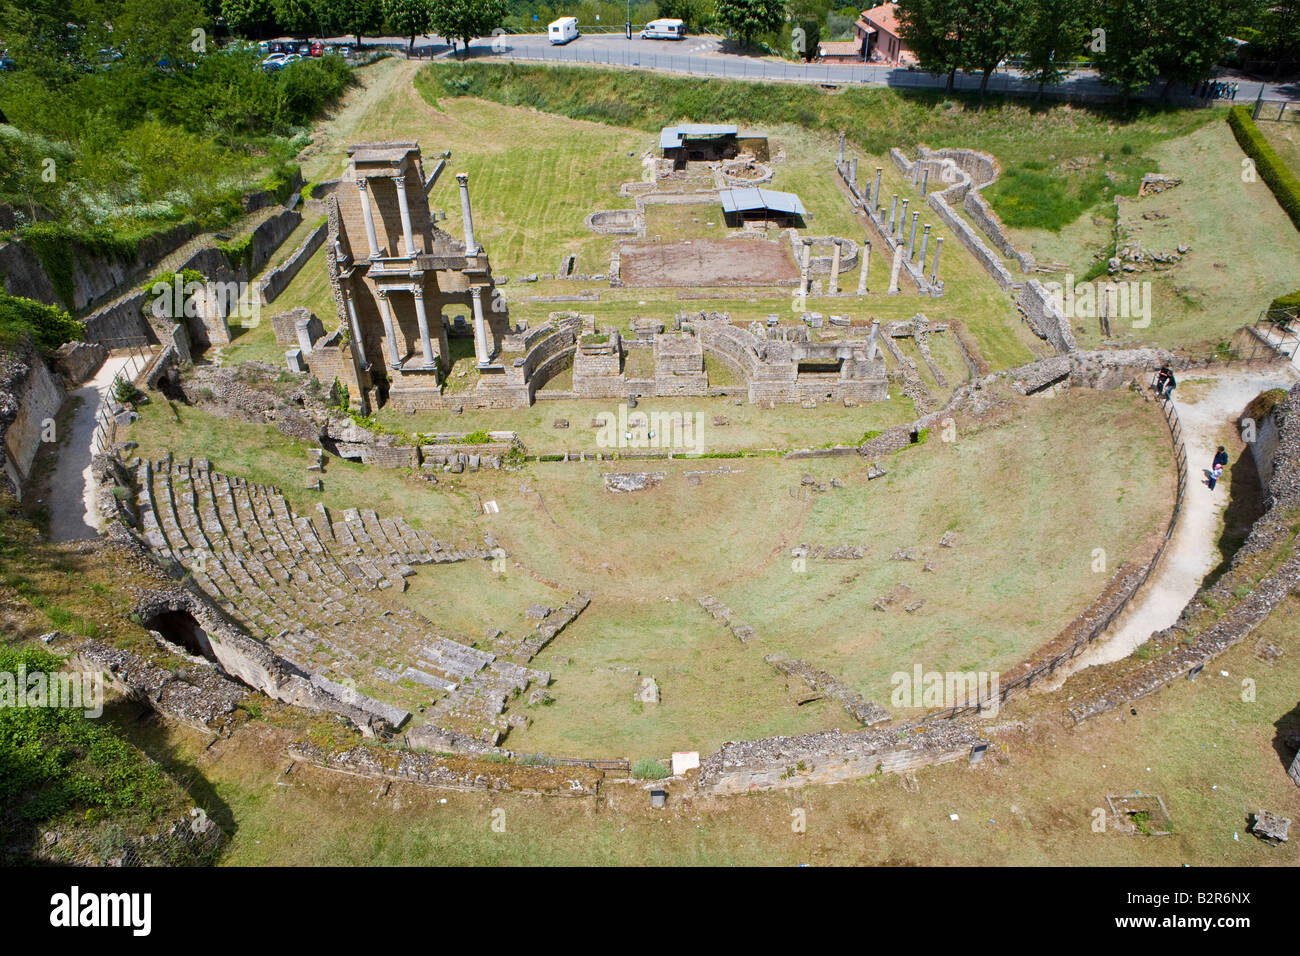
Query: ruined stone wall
{"type": "Point", "coordinates": [1045, 317]}
{"type": "Point", "coordinates": [832, 757]}
{"type": "Point", "coordinates": [275, 281]}
{"type": "Point", "coordinates": [122, 322]}
{"type": "Point", "coordinates": [77, 361]}
{"type": "Point", "coordinates": [29, 394]}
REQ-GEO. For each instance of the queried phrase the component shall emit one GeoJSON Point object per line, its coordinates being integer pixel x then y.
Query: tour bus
{"type": "Point", "coordinates": [664, 30]}
{"type": "Point", "coordinates": [563, 30]}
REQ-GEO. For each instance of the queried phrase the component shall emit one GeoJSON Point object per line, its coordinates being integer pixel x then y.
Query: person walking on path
{"type": "Point", "coordinates": [1216, 467]}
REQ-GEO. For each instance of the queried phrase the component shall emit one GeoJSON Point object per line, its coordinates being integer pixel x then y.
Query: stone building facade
{"type": "Point", "coordinates": [397, 279]}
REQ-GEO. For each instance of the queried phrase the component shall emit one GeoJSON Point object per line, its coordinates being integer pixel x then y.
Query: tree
{"type": "Point", "coordinates": [250, 17]}
{"type": "Point", "coordinates": [1052, 33]}
{"type": "Point", "coordinates": [300, 17]}
{"type": "Point", "coordinates": [935, 31]}
{"type": "Point", "coordinates": [356, 17]}
{"type": "Point", "coordinates": [1189, 39]}
{"type": "Point", "coordinates": [465, 20]}
{"type": "Point", "coordinates": [1123, 47]}
{"type": "Point", "coordinates": [992, 29]}
{"type": "Point", "coordinates": [808, 16]}
{"type": "Point", "coordinates": [408, 17]}
{"type": "Point", "coordinates": [750, 18]}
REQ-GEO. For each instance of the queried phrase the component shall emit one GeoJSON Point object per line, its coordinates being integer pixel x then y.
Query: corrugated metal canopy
{"type": "Point", "coordinates": [671, 137]}
{"type": "Point", "coordinates": [747, 200]}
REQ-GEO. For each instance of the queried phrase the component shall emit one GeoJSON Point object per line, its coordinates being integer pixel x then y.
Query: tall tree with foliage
{"type": "Point", "coordinates": [1052, 33]}
{"type": "Point", "coordinates": [249, 17]}
{"type": "Point", "coordinates": [1190, 39]}
{"type": "Point", "coordinates": [409, 18]}
{"type": "Point", "coordinates": [750, 18]}
{"type": "Point", "coordinates": [301, 17]}
{"type": "Point", "coordinates": [1122, 45]}
{"type": "Point", "coordinates": [465, 20]}
{"type": "Point", "coordinates": [355, 17]}
{"type": "Point", "coordinates": [991, 34]}
{"type": "Point", "coordinates": [935, 31]}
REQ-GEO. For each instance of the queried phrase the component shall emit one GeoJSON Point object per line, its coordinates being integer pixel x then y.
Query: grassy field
{"type": "Point", "coordinates": [1242, 250]}
{"type": "Point", "coordinates": [1210, 756]}
{"type": "Point", "coordinates": [1283, 136]}
{"type": "Point", "coordinates": [641, 557]}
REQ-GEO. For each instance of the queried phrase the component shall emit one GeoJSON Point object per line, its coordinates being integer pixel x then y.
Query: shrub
{"type": "Point", "coordinates": [1280, 179]}
{"type": "Point", "coordinates": [46, 326]}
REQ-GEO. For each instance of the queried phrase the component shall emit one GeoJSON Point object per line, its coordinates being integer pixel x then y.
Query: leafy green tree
{"type": "Point", "coordinates": [300, 17]}
{"type": "Point", "coordinates": [1189, 39]}
{"type": "Point", "coordinates": [249, 17]}
{"type": "Point", "coordinates": [464, 20]}
{"type": "Point", "coordinates": [1052, 33]}
{"type": "Point", "coordinates": [750, 18]}
{"type": "Point", "coordinates": [355, 17]}
{"type": "Point", "coordinates": [408, 17]}
{"type": "Point", "coordinates": [1123, 46]}
{"type": "Point", "coordinates": [991, 34]}
{"type": "Point", "coordinates": [935, 31]}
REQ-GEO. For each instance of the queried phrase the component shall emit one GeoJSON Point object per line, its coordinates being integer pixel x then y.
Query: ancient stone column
{"type": "Point", "coordinates": [853, 172]}
{"type": "Point", "coordinates": [405, 211]}
{"type": "Point", "coordinates": [423, 321]}
{"type": "Point", "coordinates": [902, 218]}
{"type": "Point", "coordinates": [897, 267]}
{"type": "Point", "coordinates": [866, 261]}
{"type": "Point", "coordinates": [911, 238]}
{"type": "Point", "coordinates": [938, 248]}
{"type": "Point", "coordinates": [925, 241]}
{"type": "Point", "coordinates": [893, 209]}
{"type": "Point", "coordinates": [471, 247]}
{"type": "Point", "coordinates": [916, 172]}
{"type": "Point", "coordinates": [841, 147]}
{"type": "Point", "coordinates": [925, 181]}
{"type": "Point", "coordinates": [875, 196]}
{"type": "Point", "coordinates": [302, 329]}
{"type": "Point", "coordinates": [834, 287]}
{"type": "Point", "coordinates": [482, 351]}
{"type": "Point", "coordinates": [363, 186]}
{"type": "Point", "coordinates": [806, 273]}
{"type": "Point", "coordinates": [355, 327]}
{"type": "Point", "coordinates": [385, 313]}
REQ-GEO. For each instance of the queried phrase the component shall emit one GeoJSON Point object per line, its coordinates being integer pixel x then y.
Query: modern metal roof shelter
{"type": "Point", "coordinates": [741, 201]}
{"type": "Point", "coordinates": [673, 137]}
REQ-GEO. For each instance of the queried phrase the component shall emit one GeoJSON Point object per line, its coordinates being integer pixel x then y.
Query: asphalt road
{"type": "Point", "coordinates": [704, 56]}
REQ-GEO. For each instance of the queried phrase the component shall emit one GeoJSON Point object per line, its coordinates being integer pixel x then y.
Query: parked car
{"type": "Point", "coordinates": [7, 64]}
{"type": "Point", "coordinates": [317, 49]}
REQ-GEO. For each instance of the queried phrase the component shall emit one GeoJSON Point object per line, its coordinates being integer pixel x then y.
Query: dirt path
{"type": "Point", "coordinates": [73, 515]}
{"type": "Point", "coordinates": [1192, 552]}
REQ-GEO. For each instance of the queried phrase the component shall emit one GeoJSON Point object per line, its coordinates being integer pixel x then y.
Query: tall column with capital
{"type": "Point", "coordinates": [482, 351]}
{"type": "Point", "coordinates": [405, 211]}
{"type": "Point", "coordinates": [471, 247]}
{"type": "Point", "coordinates": [423, 322]}
{"type": "Point", "coordinates": [355, 327]}
{"type": "Point", "coordinates": [363, 187]}
{"type": "Point", "coordinates": [386, 313]}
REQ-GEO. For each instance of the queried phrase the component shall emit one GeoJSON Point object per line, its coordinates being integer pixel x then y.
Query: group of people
{"type": "Point", "coordinates": [1164, 385]}
{"type": "Point", "coordinates": [1214, 90]}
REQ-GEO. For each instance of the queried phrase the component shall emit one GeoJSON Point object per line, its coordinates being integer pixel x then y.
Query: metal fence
{"type": "Point", "coordinates": [106, 417]}
{"type": "Point", "coordinates": [1049, 666]}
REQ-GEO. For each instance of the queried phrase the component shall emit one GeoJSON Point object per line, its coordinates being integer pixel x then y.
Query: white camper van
{"type": "Point", "coordinates": [563, 30]}
{"type": "Point", "coordinates": [664, 30]}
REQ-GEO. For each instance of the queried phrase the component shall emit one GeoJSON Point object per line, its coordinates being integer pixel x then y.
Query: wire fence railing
{"type": "Point", "coordinates": [109, 407]}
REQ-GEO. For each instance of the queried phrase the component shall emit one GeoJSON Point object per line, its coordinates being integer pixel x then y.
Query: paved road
{"type": "Point", "coordinates": [73, 516]}
{"type": "Point", "coordinates": [704, 56]}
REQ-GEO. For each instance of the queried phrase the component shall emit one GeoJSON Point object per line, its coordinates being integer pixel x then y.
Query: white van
{"type": "Point", "coordinates": [563, 30]}
{"type": "Point", "coordinates": [664, 30]}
